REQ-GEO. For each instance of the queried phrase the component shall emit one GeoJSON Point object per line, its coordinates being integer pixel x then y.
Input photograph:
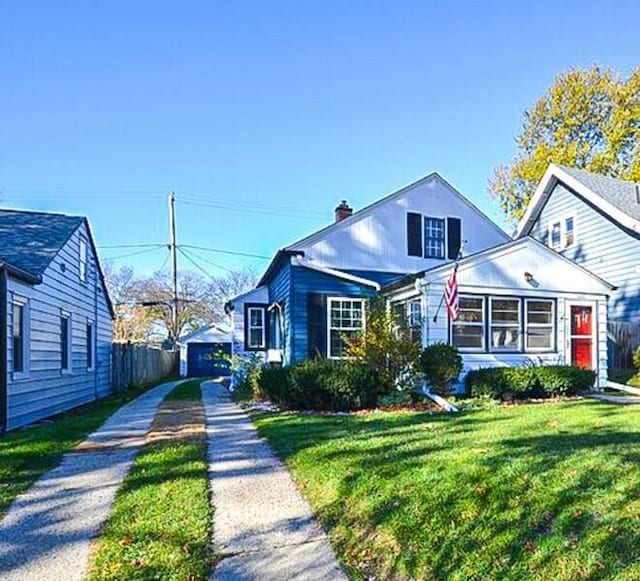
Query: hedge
{"type": "Point", "coordinates": [525, 382]}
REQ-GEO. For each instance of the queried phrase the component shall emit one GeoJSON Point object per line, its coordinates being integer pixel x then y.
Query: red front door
{"type": "Point", "coordinates": [582, 336]}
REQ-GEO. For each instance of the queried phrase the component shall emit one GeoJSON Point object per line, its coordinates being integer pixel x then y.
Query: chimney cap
{"type": "Point", "coordinates": [344, 205]}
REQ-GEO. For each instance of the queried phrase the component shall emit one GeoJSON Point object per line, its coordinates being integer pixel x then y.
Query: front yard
{"type": "Point", "coordinates": [547, 491]}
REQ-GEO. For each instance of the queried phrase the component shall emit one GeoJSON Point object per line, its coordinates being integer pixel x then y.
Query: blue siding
{"type": "Point", "coordinates": [305, 281]}
{"type": "Point", "coordinates": [45, 389]}
{"type": "Point", "coordinates": [601, 246]}
{"type": "Point", "coordinates": [280, 291]}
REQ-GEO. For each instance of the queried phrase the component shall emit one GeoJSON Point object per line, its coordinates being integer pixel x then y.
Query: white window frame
{"type": "Point", "coordinates": [83, 262]}
{"type": "Point", "coordinates": [482, 324]}
{"type": "Point", "coordinates": [425, 218]}
{"type": "Point", "coordinates": [263, 328]}
{"type": "Point", "coordinates": [330, 302]}
{"type": "Point", "coordinates": [69, 369]}
{"type": "Point", "coordinates": [527, 326]}
{"type": "Point", "coordinates": [91, 324]}
{"type": "Point", "coordinates": [492, 325]}
{"type": "Point", "coordinates": [562, 226]}
{"type": "Point", "coordinates": [23, 302]}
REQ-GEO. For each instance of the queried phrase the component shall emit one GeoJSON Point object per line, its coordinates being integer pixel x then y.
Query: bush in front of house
{"type": "Point", "coordinates": [441, 365]}
{"type": "Point", "coordinates": [320, 384]}
{"type": "Point", "coordinates": [635, 358]}
{"type": "Point", "coordinates": [523, 382]}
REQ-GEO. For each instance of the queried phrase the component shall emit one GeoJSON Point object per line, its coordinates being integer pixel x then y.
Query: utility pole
{"type": "Point", "coordinates": [174, 263]}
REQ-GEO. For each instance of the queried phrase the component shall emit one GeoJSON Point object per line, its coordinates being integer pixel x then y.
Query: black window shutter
{"type": "Point", "coordinates": [316, 325]}
{"type": "Point", "coordinates": [414, 234]}
{"type": "Point", "coordinates": [453, 237]}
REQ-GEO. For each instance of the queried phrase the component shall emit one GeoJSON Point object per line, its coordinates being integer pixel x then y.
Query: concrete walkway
{"type": "Point", "coordinates": [47, 532]}
{"type": "Point", "coordinates": [623, 399]}
{"type": "Point", "coordinates": [261, 522]}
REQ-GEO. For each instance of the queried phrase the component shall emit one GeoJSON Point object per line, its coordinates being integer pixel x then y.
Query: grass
{"type": "Point", "coordinates": [160, 521]}
{"type": "Point", "coordinates": [29, 452]}
{"type": "Point", "coordinates": [546, 491]}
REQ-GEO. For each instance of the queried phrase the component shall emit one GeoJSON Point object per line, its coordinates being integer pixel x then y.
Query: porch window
{"type": "Point", "coordinates": [539, 325]}
{"type": "Point", "coordinates": [434, 237]}
{"type": "Point", "coordinates": [467, 331]}
{"type": "Point", "coordinates": [345, 321]}
{"type": "Point", "coordinates": [505, 324]}
{"type": "Point", "coordinates": [256, 331]}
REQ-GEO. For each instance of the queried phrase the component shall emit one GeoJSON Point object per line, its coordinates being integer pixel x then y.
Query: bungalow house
{"type": "Point", "coordinates": [55, 317]}
{"type": "Point", "coordinates": [314, 291]}
{"type": "Point", "coordinates": [521, 302]}
{"type": "Point", "coordinates": [595, 221]}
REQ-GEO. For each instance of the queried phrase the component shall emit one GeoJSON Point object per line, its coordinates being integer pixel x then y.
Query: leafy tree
{"type": "Point", "coordinates": [588, 119]}
{"type": "Point", "coordinates": [385, 346]}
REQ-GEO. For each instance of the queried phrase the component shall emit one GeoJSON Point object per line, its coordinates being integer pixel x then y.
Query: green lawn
{"type": "Point", "coordinates": [548, 491]}
{"type": "Point", "coordinates": [160, 521]}
{"type": "Point", "coordinates": [27, 453]}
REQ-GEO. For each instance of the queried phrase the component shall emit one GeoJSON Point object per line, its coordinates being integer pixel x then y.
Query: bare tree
{"type": "Point", "coordinates": [223, 288]}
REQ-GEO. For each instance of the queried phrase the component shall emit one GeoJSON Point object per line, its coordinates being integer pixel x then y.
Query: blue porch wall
{"type": "Point", "coordinates": [601, 246]}
{"type": "Point", "coordinates": [290, 287]}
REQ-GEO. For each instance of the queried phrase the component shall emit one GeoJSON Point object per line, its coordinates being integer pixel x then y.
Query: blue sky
{"type": "Point", "coordinates": [263, 115]}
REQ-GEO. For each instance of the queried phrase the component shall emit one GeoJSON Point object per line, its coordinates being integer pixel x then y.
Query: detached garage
{"type": "Point", "coordinates": [206, 352]}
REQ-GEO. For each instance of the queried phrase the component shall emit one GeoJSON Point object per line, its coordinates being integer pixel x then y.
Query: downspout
{"type": "Point", "coordinates": [3, 350]}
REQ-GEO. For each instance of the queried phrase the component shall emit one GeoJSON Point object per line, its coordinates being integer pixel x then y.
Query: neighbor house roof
{"type": "Point", "coordinates": [29, 241]}
{"type": "Point", "coordinates": [618, 199]}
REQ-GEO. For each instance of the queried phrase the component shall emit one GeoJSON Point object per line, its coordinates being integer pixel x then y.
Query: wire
{"type": "Point", "coordinates": [194, 255]}
{"type": "Point", "coordinates": [252, 210]}
{"type": "Point", "coordinates": [157, 245]}
{"type": "Point", "coordinates": [200, 268]}
{"type": "Point", "coordinates": [232, 252]}
{"type": "Point", "coordinates": [119, 256]}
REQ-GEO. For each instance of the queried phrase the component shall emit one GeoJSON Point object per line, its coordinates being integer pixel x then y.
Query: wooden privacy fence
{"type": "Point", "coordinates": [133, 364]}
{"type": "Point", "coordinates": [623, 339]}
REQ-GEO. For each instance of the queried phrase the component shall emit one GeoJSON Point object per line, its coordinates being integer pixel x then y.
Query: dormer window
{"type": "Point", "coordinates": [433, 236]}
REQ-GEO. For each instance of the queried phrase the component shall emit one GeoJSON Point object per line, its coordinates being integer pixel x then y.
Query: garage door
{"type": "Point", "coordinates": [204, 359]}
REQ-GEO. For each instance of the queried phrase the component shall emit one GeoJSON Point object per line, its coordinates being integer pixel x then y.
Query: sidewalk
{"type": "Point", "coordinates": [261, 520]}
{"type": "Point", "coordinates": [47, 531]}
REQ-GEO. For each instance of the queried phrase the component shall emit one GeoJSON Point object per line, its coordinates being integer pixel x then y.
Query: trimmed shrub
{"type": "Point", "coordinates": [635, 358]}
{"type": "Point", "coordinates": [441, 365]}
{"type": "Point", "coordinates": [319, 384]}
{"type": "Point", "coordinates": [523, 382]}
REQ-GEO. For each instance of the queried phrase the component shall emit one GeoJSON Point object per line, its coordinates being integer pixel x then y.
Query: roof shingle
{"type": "Point", "coordinates": [30, 240]}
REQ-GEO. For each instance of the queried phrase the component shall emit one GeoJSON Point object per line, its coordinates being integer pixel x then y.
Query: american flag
{"type": "Point", "coordinates": [451, 294]}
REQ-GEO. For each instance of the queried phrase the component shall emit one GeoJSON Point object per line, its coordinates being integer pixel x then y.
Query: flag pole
{"type": "Point", "coordinates": [455, 265]}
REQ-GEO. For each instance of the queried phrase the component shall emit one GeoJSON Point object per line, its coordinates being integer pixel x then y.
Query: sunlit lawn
{"type": "Point", "coordinates": [548, 491]}
{"type": "Point", "coordinates": [27, 453]}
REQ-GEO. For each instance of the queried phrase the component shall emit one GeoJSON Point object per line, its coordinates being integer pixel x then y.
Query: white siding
{"type": "Point", "coordinates": [45, 389]}
{"type": "Point", "coordinates": [376, 239]}
{"type": "Point", "coordinates": [259, 295]}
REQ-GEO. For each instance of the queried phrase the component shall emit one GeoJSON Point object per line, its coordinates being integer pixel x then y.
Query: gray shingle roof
{"type": "Point", "coordinates": [30, 240]}
{"type": "Point", "coordinates": [623, 195]}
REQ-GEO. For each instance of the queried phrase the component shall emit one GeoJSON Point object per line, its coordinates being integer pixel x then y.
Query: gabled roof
{"type": "Point", "coordinates": [618, 199]}
{"type": "Point", "coordinates": [472, 259]}
{"type": "Point", "coordinates": [29, 241]}
{"type": "Point", "coordinates": [434, 176]}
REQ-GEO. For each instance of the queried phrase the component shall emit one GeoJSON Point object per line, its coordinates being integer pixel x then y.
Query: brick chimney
{"type": "Point", "coordinates": [343, 211]}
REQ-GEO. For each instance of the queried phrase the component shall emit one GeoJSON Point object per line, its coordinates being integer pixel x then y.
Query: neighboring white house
{"type": "Point", "coordinates": [249, 338]}
{"type": "Point", "coordinates": [520, 303]}
{"type": "Point", "coordinates": [206, 352]}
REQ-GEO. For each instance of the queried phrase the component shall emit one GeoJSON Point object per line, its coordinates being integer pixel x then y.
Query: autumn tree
{"type": "Point", "coordinates": [588, 119]}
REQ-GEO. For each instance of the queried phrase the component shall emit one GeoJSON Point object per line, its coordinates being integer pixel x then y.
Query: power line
{"type": "Point", "coordinates": [119, 256]}
{"type": "Point", "coordinates": [220, 251]}
{"type": "Point", "coordinates": [253, 210]}
{"type": "Point", "coordinates": [193, 254]}
{"type": "Point", "coordinates": [200, 268]}
{"type": "Point", "coordinates": [156, 245]}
